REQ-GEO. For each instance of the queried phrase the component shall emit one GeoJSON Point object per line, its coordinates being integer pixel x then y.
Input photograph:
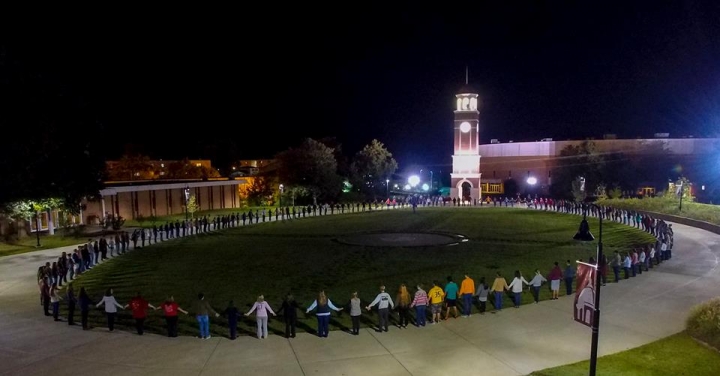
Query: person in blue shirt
{"type": "Point", "coordinates": [451, 291]}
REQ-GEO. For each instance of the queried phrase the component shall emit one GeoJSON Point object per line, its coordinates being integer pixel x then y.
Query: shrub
{"type": "Point", "coordinates": [704, 322]}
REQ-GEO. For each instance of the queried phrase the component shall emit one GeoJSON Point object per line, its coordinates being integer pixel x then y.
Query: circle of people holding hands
{"type": "Point", "coordinates": [435, 300]}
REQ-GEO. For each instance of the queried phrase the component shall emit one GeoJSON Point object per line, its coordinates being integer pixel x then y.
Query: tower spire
{"type": "Point", "coordinates": [466, 75]}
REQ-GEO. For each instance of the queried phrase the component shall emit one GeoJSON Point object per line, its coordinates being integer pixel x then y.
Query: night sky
{"type": "Point", "coordinates": [267, 79]}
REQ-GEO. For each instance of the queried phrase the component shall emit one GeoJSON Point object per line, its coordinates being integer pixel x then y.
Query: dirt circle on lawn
{"type": "Point", "coordinates": [401, 239]}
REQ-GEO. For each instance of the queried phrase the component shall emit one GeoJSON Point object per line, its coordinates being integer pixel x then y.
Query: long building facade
{"type": "Point", "coordinates": [161, 198]}
{"type": "Point", "coordinates": [482, 170]}
{"type": "Point", "coordinates": [140, 199]}
{"type": "Point", "coordinates": [538, 161]}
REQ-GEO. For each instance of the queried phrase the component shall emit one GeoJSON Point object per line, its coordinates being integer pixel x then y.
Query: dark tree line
{"type": "Point", "coordinates": [51, 137]}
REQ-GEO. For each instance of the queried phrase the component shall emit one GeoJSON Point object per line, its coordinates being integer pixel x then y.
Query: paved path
{"type": "Point", "coordinates": [513, 342]}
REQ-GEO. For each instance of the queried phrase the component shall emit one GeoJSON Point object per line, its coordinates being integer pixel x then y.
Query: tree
{"type": "Point", "coordinates": [371, 166]}
{"type": "Point", "coordinates": [343, 165]}
{"type": "Point", "coordinates": [19, 211]}
{"type": "Point", "coordinates": [259, 190]}
{"type": "Point", "coordinates": [61, 151]}
{"type": "Point", "coordinates": [576, 161]}
{"type": "Point", "coordinates": [616, 192]}
{"type": "Point", "coordinates": [311, 166]}
{"type": "Point", "coordinates": [184, 169]}
{"type": "Point", "coordinates": [131, 167]}
{"type": "Point", "coordinates": [192, 205]}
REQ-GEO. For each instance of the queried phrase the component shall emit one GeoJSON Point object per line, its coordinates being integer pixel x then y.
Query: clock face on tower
{"type": "Point", "coordinates": [465, 127]}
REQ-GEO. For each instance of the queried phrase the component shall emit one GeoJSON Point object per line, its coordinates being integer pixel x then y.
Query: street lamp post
{"type": "Point", "coordinates": [37, 228]}
{"type": "Point", "coordinates": [585, 235]}
{"type": "Point", "coordinates": [282, 212]}
{"type": "Point", "coordinates": [431, 180]}
{"type": "Point", "coordinates": [681, 194]}
{"type": "Point", "coordinates": [387, 188]}
{"type": "Point", "coordinates": [187, 201]}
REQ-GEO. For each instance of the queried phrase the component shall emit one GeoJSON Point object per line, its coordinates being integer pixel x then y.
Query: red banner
{"type": "Point", "coordinates": [584, 305]}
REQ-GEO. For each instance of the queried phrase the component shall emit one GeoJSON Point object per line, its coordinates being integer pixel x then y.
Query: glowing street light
{"type": "Point", "coordinates": [387, 188]}
{"type": "Point", "coordinates": [414, 180]}
{"type": "Point", "coordinates": [425, 187]}
{"type": "Point", "coordinates": [407, 187]}
{"type": "Point", "coordinates": [282, 190]}
{"type": "Point", "coordinates": [531, 180]}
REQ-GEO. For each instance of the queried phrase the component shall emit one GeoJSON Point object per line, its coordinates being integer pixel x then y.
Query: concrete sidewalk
{"type": "Point", "coordinates": [512, 342]}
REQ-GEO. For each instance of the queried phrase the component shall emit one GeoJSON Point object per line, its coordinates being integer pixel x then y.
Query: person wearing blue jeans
{"type": "Point", "coordinates": [204, 323]}
{"type": "Point", "coordinates": [517, 287]}
{"type": "Point", "coordinates": [323, 305]}
{"type": "Point", "coordinates": [202, 310]}
{"type": "Point", "coordinates": [498, 288]}
{"type": "Point", "coordinates": [420, 302]}
{"type": "Point", "coordinates": [467, 289]}
{"type": "Point", "coordinates": [420, 314]}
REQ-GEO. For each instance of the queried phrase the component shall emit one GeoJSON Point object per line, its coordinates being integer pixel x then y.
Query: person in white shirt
{"type": "Point", "coordinates": [641, 258]}
{"type": "Point", "coordinates": [384, 303]}
{"type": "Point", "coordinates": [535, 284]}
{"type": "Point", "coordinates": [517, 287]}
{"type": "Point", "coordinates": [651, 258]}
{"type": "Point", "coordinates": [111, 306]}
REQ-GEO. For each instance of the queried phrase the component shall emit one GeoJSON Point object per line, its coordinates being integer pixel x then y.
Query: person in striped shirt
{"type": "Point", "coordinates": [420, 302]}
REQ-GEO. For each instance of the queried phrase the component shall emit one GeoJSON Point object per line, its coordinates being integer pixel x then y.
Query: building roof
{"type": "Point", "coordinates": [156, 185]}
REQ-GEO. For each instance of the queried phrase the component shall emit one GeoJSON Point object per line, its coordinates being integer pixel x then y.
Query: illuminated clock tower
{"type": "Point", "coordinates": [465, 178]}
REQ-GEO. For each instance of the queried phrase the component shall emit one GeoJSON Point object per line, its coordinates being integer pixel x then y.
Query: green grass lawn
{"type": "Point", "coordinates": [29, 243]}
{"type": "Point", "coordinates": [693, 210]}
{"type": "Point", "coordinates": [672, 356]}
{"type": "Point", "coordinates": [301, 257]}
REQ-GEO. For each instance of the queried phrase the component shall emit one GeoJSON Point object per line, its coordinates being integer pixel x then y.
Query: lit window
{"type": "Point", "coordinates": [162, 165]}
{"type": "Point", "coordinates": [198, 164]}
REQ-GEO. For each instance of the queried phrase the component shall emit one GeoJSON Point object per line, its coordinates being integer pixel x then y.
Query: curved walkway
{"type": "Point", "coordinates": [514, 342]}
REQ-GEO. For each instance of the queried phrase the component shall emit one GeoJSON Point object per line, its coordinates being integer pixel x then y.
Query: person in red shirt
{"type": "Point", "coordinates": [170, 309]}
{"type": "Point", "coordinates": [139, 308]}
